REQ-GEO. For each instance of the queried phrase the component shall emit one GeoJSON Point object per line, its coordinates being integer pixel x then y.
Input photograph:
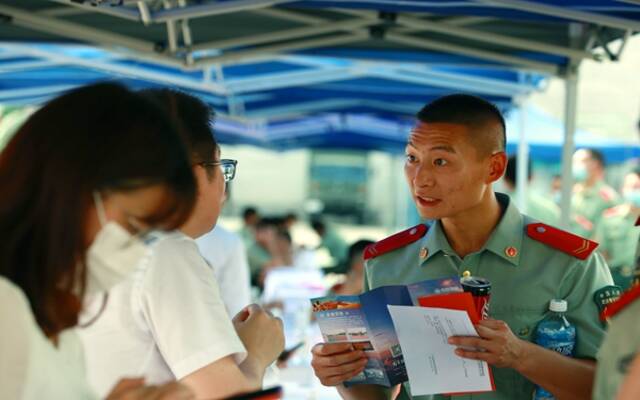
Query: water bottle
{"type": "Point", "coordinates": [555, 333]}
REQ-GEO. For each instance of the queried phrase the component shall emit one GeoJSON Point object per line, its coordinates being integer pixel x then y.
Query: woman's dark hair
{"type": "Point", "coordinates": [100, 137]}
{"type": "Point", "coordinates": [193, 119]}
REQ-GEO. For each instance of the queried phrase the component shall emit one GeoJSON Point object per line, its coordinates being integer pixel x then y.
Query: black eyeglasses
{"type": "Point", "coordinates": [228, 167]}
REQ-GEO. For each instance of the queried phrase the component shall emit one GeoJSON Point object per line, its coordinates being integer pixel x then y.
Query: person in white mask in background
{"type": "Point", "coordinates": [618, 234]}
{"type": "Point", "coordinates": [168, 321]}
{"type": "Point", "coordinates": [591, 193]}
{"type": "Point", "coordinates": [79, 187]}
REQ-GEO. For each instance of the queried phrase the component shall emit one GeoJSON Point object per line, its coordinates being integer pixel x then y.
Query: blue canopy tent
{"type": "Point", "coordinates": [372, 110]}
{"type": "Point", "coordinates": [543, 134]}
{"type": "Point", "coordinates": [269, 65]}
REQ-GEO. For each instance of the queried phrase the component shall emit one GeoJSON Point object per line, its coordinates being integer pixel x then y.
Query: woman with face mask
{"type": "Point", "coordinates": [168, 321]}
{"type": "Point", "coordinates": [82, 180]}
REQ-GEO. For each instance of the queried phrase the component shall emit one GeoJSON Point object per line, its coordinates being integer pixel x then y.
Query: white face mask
{"type": "Point", "coordinates": [113, 255]}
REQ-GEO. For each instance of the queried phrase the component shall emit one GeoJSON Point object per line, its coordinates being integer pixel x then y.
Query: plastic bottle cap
{"type": "Point", "coordinates": [557, 305]}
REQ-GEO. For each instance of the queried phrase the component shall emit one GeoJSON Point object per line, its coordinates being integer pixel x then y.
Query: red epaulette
{"type": "Point", "coordinates": [566, 242]}
{"type": "Point", "coordinates": [627, 298]}
{"type": "Point", "coordinates": [395, 241]}
{"type": "Point", "coordinates": [612, 212]}
{"type": "Point", "coordinates": [607, 193]}
{"type": "Point", "coordinates": [583, 222]}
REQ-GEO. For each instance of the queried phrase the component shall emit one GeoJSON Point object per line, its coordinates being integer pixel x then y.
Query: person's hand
{"type": "Point", "coordinates": [135, 389]}
{"type": "Point", "coordinates": [497, 345]}
{"type": "Point", "coordinates": [261, 333]}
{"type": "Point", "coordinates": [334, 363]}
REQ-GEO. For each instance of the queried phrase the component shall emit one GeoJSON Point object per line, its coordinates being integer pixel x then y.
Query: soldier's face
{"type": "Point", "coordinates": [582, 161]}
{"type": "Point", "coordinates": [447, 175]}
{"type": "Point", "coordinates": [631, 183]}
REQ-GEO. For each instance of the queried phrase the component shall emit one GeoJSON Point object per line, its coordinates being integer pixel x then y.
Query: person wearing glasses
{"type": "Point", "coordinates": [169, 322]}
{"type": "Point", "coordinates": [78, 191]}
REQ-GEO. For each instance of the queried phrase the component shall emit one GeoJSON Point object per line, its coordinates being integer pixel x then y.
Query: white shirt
{"type": "Point", "coordinates": [30, 366]}
{"type": "Point", "coordinates": [226, 253]}
{"type": "Point", "coordinates": [165, 322]}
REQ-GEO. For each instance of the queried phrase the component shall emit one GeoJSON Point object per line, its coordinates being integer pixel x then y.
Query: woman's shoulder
{"type": "Point", "coordinates": [12, 300]}
{"type": "Point", "coordinates": [167, 242]}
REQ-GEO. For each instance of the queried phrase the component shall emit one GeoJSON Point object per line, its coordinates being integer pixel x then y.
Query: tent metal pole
{"type": "Point", "coordinates": [570, 107]}
{"type": "Point", "coordinates": [290, 16]}
{"type": "Point", "coordinates": [172, 37]}
{"type": "Point", "coordinates": [467, 51]}
{"type": "Point", "coordinates": [401, 190]}
{"type": "Point", "coordinates": [489, 37]}
{"type": "Point", "coordinates": [288, 79]}
{"type": "Point", "coordinates": [145, 13]}
{"type": "Point", "coordinates": [268, 52]}
{"type": "Point", "coordinates": [287, 34]}
{"type": "Point", "coordinates": [127, 13]}
{"type": "Point", "coordinates": [125, 70]}
{"type": "Point", "coordinates": [563, 12]}
{"type": "Point", "coordinates": [213, 8]}
{"type": "Point", "coordinates": [522, 167]}
{"type": "Point", "coordinates": [448, 80]}
{"type": "Point", "coordinates": [31, 20]}
{"type": "Point", "coordinates": [24, 66]}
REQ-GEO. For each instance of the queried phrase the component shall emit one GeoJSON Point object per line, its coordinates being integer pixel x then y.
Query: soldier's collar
{"type": "Point", "coordinates": [435, 241]}
{"type": "Point", "coordinates": [506, 239]}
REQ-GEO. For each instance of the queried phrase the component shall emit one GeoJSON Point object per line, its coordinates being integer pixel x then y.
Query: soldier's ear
{"type": "Point", "coordinates": [497, 166]}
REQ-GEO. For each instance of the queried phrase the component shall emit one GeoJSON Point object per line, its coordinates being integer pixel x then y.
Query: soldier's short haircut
{"type": "Point", "coordinates": [473, 112]}
{"type": "Point", "coordinates": [597, 156]}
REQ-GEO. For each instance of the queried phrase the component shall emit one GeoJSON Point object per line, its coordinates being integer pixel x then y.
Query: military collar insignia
{"type": "Point", "coordinates": [424, 252]}
{"type": "Point", "coordinates": [566, 242]}
{"type": "Point", "coordinates": [511, 251]}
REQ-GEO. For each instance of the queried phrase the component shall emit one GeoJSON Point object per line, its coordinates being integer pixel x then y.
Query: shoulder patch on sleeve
{"type": "Point", "coordinates": [627, 298]}
{"type": "Point", "coordinates": [564, 241]}
{"type": "Point", "coordinates": [606, 296]}
{"type": "Point", "coordinates": [395, 241]}
{"type": "Point", "coordinates": [638, 221]}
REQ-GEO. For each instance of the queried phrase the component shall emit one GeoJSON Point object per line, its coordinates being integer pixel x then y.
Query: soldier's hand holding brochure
{"type": "Point", "coordinates": [385, 323]}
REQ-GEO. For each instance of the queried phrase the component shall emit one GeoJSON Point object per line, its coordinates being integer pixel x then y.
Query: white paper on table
{"type": "Point", "coordinates": [432, 365]}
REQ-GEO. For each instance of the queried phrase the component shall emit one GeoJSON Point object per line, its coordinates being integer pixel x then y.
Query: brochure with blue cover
{"type": "Point", "coordinates": [365, 322]}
